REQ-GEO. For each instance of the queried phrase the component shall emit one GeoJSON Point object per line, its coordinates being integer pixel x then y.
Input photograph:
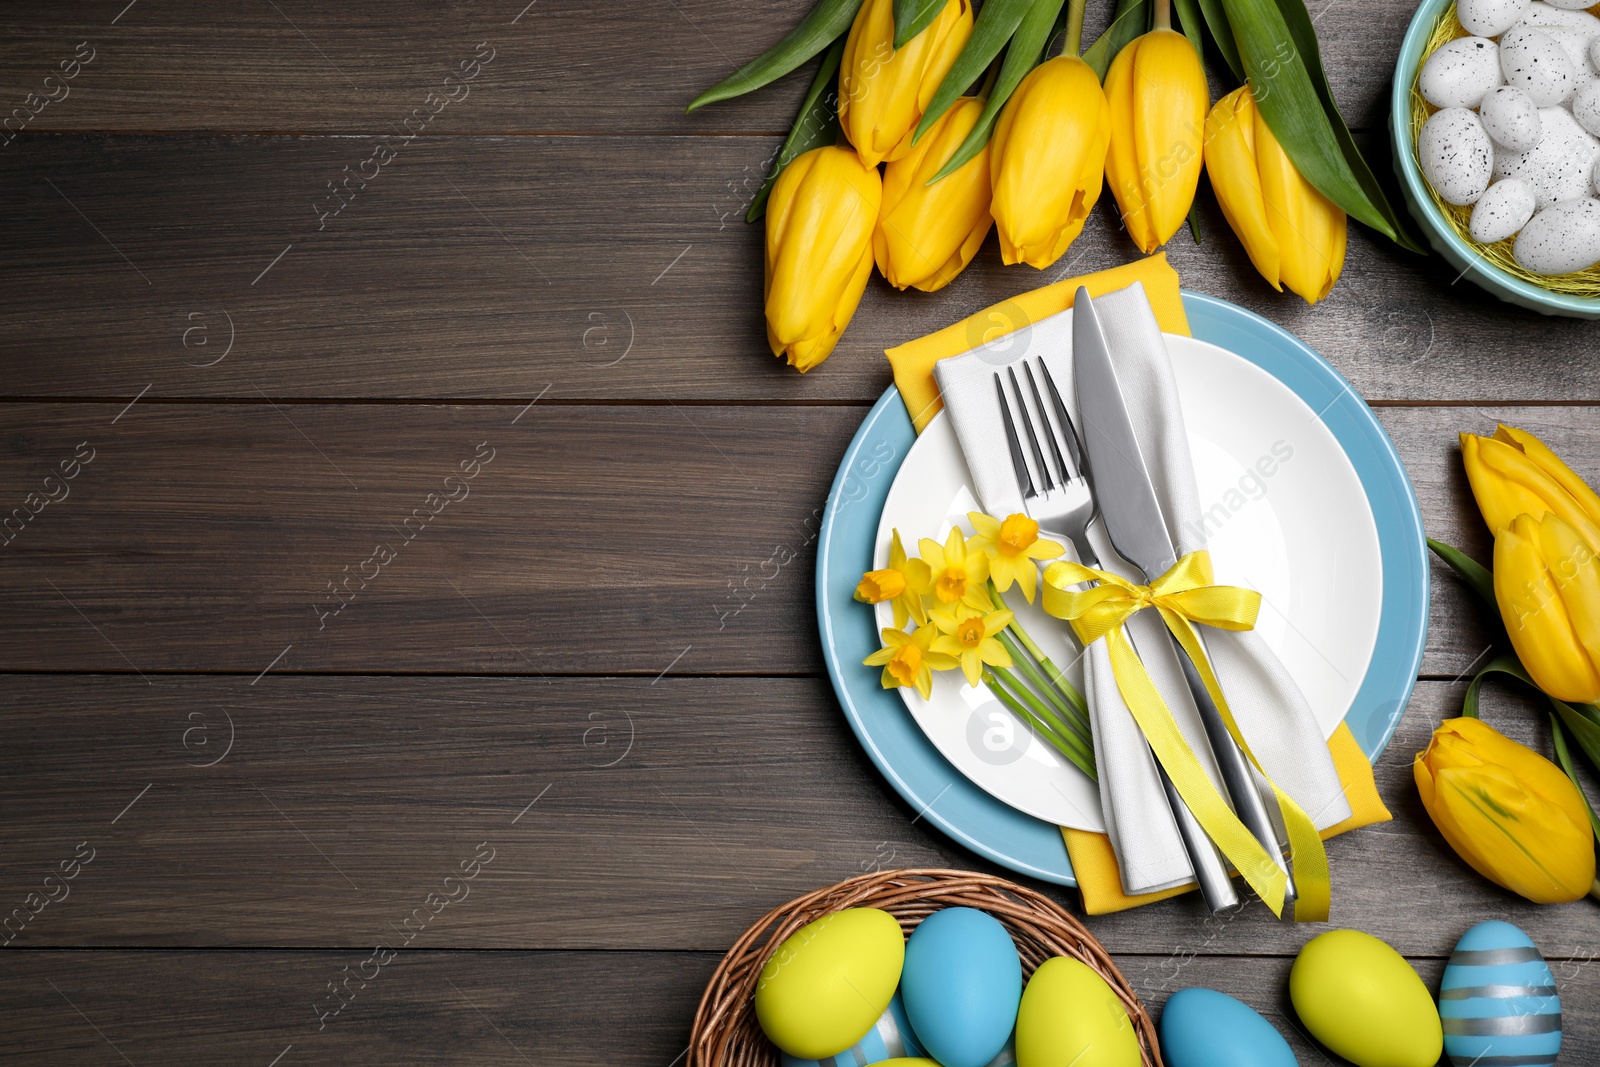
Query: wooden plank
{"type": "Point", "coordinates": [421, 1007]}
{"type": "Point", "coordinates": [214, 536]}
{"type": "Point", "coordinates": [304, 66]}
{"type": "Point", "coordinates": [508, 1008]}
{"type": "Point", "coordinates": [596, 268]}
{"type": "Point", "coordinates": [344, 802]}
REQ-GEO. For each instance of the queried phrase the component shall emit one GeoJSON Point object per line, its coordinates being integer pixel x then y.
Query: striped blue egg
{"type": "Point", "coordinates": [1498, 1001]}
{"type": "Point", "coordinates": [890, 1038]}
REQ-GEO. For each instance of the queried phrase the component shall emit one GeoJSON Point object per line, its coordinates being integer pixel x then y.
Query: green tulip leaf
{"type": "Point", "coordinates": [1131, 18]}
{"type": "Point", "coordinates": [1583, 729]}
{"type": "Point", "coordinates": [1564, 758]}
{"type": "Point", "coordinates": [1278, 49]}
{"type": "Point", "coordinates": [1222, 36]}
{"type": "Point", "coordinates": [911, 17]}
{"type": "Point", "coordinates": [1505, 663]}
{"type": "Point", "coordinates": [1471, 571]}
{"type": "Point", "coordinates": [997, 21]}
{"type": "Point", "coordinates": [825, 23]}
{"type": "Point", "coordinates": [1024, 53]}
{"type": "Point", "coordinates": [816, 125]}
{"type": "Point", "coordinates": [1189, 15]}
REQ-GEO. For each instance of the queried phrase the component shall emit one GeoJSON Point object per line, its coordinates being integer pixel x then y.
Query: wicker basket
{"type": "Point", "coordinates": [725, 1031]}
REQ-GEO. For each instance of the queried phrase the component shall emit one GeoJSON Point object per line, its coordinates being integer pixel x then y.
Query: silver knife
{"type": "Point", "coordinates": [1138, 531]}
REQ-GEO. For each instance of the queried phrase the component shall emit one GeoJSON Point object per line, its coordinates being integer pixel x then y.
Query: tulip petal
{"type": "Point", "coordinates": [1551, 464]}
{"type": "Point", "coordinates": [1536, 619]}
{"type": "Point", "coordinates": [927, 234]}
{"type": "Point", "coordinates": [1230, 157]}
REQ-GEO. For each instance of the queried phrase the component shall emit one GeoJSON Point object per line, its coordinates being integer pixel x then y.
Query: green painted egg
{"type": "Point", "coordinates": [1070, 1017]}
{"type": "Point", "coordinates": [830, 981]}
{"type": "Point", "coordinates": [1361, 998]}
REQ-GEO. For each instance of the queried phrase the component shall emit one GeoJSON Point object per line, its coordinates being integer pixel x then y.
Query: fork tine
{"type": "Point", "coordinates": [1050, 434]}
{"type": "Point", "coordinates": [1018, 463]}
{"type": "Point", "coordinates": [1067, 428]}
{"type": "Point", "coordinates": [1027, 425]}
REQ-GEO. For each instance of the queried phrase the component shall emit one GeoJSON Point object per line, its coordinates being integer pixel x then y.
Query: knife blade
{"type": "Point", "coordinates": [1134, 520]}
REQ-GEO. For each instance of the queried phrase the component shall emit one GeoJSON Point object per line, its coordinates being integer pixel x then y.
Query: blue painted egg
{"type": "Point", "coordinates": [961, 984]}
{"type": "Point", "coordinates": [1498, 1001]}
{"type": "Point", "coordinates": [889, 1039]}
{"type": "Point", "coordinates": [1204, 1028]}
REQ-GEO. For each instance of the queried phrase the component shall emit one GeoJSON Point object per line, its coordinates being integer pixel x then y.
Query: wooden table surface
{"type": "Point", "coordinates": [263, 715]}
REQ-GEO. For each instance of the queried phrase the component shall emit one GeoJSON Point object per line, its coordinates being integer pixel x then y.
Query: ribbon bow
{"type": "Point", "coordinates": [1186, 595]}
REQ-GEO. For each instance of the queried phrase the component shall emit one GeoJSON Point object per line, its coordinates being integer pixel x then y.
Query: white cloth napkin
{"type": "Point", "coordinates": [1270, 709]}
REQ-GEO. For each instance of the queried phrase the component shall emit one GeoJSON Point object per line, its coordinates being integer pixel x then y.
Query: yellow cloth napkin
{"type": "Point", "coordinates": [913, 361]}
{"type": "Point", "coordinates": [1093, 861]}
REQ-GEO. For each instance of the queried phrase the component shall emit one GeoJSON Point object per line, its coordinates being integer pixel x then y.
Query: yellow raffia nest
{"type": "Point", "coordinates": [1585, 283]}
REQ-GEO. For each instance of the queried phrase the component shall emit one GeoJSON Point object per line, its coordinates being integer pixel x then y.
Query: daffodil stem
{"type": "Point", "coordinates": [1069, 714]}
{"type": "Point", "coordinates": [1163, 15]}
{"type": "Point", "coordinates": [1077, 738]}
{"type": "Point", "coordinates": [1074, 38]}
{"type": "Point", "coordinates": [1054, 673]}
{"type": "Point", "coordinates": [1068, 747]}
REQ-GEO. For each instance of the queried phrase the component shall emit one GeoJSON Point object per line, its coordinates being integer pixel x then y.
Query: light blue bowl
{"type": "Point", "coordinates": [1457, 250]}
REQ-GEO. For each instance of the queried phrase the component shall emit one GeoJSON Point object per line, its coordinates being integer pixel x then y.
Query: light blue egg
{"type": "Point", "coordinates": [962, 983]}
{"type": "Point", "coordinates": [890, 1038]}
{"type": "Point", "coordinates": [1204, 1028]}
{"type": "Point", "coordinates": [1498, 1001]}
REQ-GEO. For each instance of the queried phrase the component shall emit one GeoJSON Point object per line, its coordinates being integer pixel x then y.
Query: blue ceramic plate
{"type": "Point", "coordinates": [930, 784]}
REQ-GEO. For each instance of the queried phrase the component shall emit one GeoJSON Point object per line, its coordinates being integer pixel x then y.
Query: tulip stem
{"type": "Point", "coordinates": [1594, 890]}
{"type": "Point", "coordinates": [1074, 38]}
{"type": "Point", "coordinates": [1163, 17]}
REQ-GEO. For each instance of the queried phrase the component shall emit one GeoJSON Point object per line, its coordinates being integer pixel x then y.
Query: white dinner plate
{"type": "Point", "coordinates": [1285, 514]}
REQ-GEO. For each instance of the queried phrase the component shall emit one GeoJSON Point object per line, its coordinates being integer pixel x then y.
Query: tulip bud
{"type": "Point", "coordinates": [1293, 234]}
{"type": "Point", "coordinates": [1547, 583]}
{"type": "Point", "coordinates": [1047, 160]}
{"type": "Point", "coordinates": [1513, 473]}
{"type": "Point", "coordinates": [1508, 811]}
{"type": "Point", "coordinates": [820, 218]}
{"type": "Point", "coordinates": [883, 91]}
{"type": "Point", "coordinates": [1156, 89]}
{"type": "Point", "coordinates": [927, 234]}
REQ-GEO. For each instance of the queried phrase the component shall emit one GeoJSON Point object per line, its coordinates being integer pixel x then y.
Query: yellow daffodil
{"type": "Point", "coordinates": [1293, 234]}
{"type": "Point", "coordinates": [927, 234]}
{"type": "Point", "coordinates": [1514, 473]}
{"type": "Point", "coordinates": [954, 569]}
{"type": "Point", "coordinates": [907, 660]}
{"type": "Point", "coordinates": [967, 633]}
{"type": "Point", "coordinates": [820, 218]}
{"type": "Point", "coordinates": [883, 90]}
{"type": "Point", "coordinates": [1547, 583]}
{"type": "Point", "coordinates": [1508, 811]}
{"type": "Point", "coordinates": [1157, 91]}
{"type": "Point", "coordinates": [1047, 160]}
{"type": "Point", "coordinates": [904, 581]}
{"type": "Point", "coordinates": [1012, 546]}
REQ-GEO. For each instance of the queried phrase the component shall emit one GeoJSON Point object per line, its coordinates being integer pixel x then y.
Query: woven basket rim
{"type": "Point", "coordinates": [725, 1032]}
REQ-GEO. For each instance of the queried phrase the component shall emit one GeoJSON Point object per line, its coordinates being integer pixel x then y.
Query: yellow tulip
{"type": "Point", "coordinates": [927, 234]}
{"type": "Point", "coordinates": [1293, 234]}
{"type": "Point", "coordinates": [1547, 583]}
{"type": "Point", "coordinates": [1157, 92]}
{"type": "Point", "coordinates": [1513, 473]}
{"type": "Point", "coordinates": [820, 218]}
{"type": "Point", "coordinates": [1508, 811]}
{"type": "Point", "coordinates": [1047, 159]}
{"type": "Point", "coordinates": [883, 91]}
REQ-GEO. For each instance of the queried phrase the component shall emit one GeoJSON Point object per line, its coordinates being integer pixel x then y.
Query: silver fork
{"type": "Point", "coordinates": [1063, 503]}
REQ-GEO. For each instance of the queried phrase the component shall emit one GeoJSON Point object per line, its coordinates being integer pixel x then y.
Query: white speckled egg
{"type": "Point", "coordinates": [1536, 63]}
{"type": "Point", "coordinates": [1561, 239]}
{"type": "Point", "coordinates": [1586, 107]}
{"type": "Point", "coordinates": [1490, 18]}
{"type": "Point", "coordinates": [1459, 72]}
{"type": "Point", "coordinates": [1575, 43]}
{"type": "Point", "coordinates": [1542, 14]}
{"type": "Point", "coordinates": [1560, 166]}
{"type": "Point", "coordinates": [1594, 54]}
{"type": "Point", "coordinates": [1509, 116]}
{"type": "Point", "coordinates": [1570, 5]}
{"type": "Point", "coordinates": [1456, 155]}
{"type": "Point", "coordinates": [1597, 174]}
{"type": "Point", "coordinates": [1503, 209]}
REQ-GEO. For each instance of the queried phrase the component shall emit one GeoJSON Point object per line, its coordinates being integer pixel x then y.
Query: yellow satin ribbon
{"type": "Point", "coordinates": [1186, 595]}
